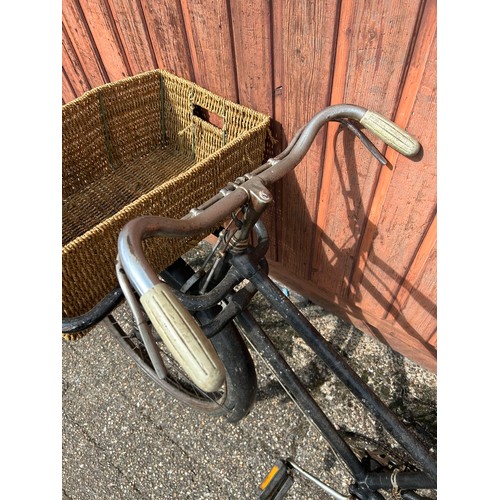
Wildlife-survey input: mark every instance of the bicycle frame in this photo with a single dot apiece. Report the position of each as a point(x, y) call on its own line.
point(247, 262)
point(365, 479)
point(251, 266)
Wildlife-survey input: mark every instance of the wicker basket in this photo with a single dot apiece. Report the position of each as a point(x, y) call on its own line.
point(142, 146)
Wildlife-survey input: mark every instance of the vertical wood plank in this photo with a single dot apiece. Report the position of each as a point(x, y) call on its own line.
point(417, 316)
point(104, 32)
point(425, 320)
point(433, 338)
point(374, 45)
point(209, 33)
point(252, 54)
point(168, 37)
point(251, 28)
point(81, 39)
point(277, 21)
point(428, 244)
point(72, 67)
point(307, 42)
point(337, 97)
point(408, 206)
point(68, 94)
point(134, 36)
point(276, 214)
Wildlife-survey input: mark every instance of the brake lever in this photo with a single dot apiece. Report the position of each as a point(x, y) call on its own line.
point(364, 139)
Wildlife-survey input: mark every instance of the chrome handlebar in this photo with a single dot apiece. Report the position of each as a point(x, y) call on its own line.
point(174, 324)
point(140, 273)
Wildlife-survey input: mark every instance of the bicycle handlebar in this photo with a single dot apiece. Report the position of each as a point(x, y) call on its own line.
point(193, 348)
point(389, 132)
point(136, 266)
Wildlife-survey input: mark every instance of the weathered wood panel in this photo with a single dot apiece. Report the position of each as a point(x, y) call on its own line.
point(355, 237)
point(75, 74)
point(253, 53)
point(375, 46)
point(308, 36)
point(417, 316)
point(101, 25)
point(133, 34)
point(67, 88)
point(408, 186)
point(421, 258)
point(76, 29)
point(168, 37)
point(209, 33)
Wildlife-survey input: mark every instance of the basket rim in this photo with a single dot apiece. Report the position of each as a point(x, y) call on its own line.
point(262, 123)
point(231, 156)
point(172, 76)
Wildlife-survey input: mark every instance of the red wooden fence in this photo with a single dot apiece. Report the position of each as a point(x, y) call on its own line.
point(355, 237)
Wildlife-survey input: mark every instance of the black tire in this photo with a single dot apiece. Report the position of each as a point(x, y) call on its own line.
point(238, 394)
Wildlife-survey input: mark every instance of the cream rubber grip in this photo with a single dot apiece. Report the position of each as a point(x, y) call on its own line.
point(183, 337)
point(390, 133)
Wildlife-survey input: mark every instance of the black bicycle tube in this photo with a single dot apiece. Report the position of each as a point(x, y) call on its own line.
point(95, 315)
point(298, 392)
point(406, 480)
point(411, 495)
point(336, 363)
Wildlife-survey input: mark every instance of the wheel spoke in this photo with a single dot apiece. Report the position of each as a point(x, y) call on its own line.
point(177, 382)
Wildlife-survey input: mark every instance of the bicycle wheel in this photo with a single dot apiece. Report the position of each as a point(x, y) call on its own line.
point(237, 395)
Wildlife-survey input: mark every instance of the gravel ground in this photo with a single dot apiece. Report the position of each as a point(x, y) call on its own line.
point(123, 438)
